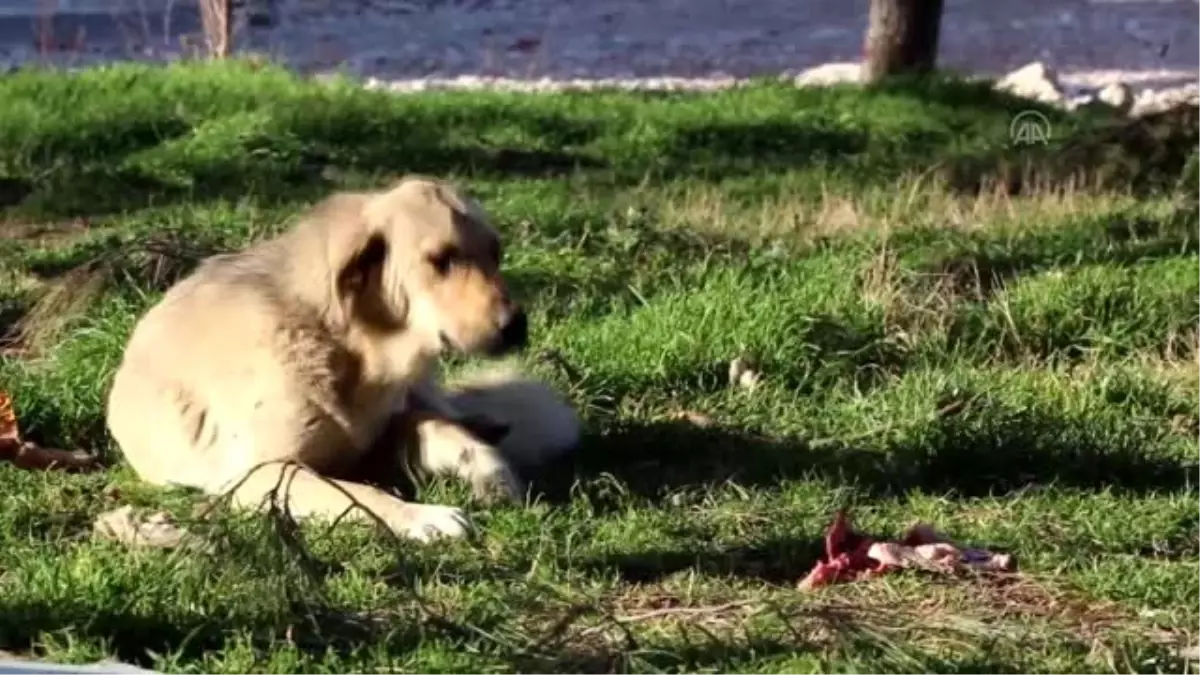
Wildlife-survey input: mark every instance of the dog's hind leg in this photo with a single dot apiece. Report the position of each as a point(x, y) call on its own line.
point(305, 494)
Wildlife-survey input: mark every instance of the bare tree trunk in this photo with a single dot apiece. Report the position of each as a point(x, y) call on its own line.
point(216, 17)
point(902, 37)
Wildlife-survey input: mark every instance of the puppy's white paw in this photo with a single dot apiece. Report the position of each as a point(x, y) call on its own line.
point(426, 522)
point(448, 448)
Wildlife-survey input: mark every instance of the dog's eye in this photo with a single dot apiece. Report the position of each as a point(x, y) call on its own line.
point(443, 259)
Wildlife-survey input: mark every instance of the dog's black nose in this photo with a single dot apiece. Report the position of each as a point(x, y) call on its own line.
point(515, 333)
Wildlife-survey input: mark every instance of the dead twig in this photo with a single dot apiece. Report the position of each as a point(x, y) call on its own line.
point(31, 456)
point(623, 621)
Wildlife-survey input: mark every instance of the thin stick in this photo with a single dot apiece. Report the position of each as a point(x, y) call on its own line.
point(668, 611)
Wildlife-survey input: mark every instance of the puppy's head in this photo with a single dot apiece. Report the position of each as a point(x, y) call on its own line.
point(430, 263)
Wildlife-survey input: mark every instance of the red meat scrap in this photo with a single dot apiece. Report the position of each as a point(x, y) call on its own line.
point(850, 555)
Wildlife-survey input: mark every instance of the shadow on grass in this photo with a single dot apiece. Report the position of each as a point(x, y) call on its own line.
point(718, 150)
point(200, 151)
point(707, 652)
point(138, 137)
point(654, 462)
point(783, 561)
point(278, 599)
point(977, 268)
point(99, 190)
point(135, 637)
point(135, 634)
point(990, 450)
point(1142, 156)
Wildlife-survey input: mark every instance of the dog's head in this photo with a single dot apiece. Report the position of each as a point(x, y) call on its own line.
point(429, 262)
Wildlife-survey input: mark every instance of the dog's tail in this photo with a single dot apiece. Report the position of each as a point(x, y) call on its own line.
point(541, 423)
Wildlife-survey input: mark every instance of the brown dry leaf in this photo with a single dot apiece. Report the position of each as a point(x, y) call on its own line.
point(157, 530)
point(26, 455)
point(9, 432)
point(697, 419)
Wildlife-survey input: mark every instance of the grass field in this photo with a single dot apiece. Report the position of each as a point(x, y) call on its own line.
point(1001, 341)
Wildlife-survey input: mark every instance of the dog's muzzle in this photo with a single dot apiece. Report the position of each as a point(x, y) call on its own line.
point(514, 334)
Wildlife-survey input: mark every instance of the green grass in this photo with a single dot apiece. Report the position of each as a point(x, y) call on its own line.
point(1000, 341)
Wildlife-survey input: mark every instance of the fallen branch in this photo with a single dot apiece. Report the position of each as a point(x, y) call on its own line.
point(28, 455)
point(34, 457)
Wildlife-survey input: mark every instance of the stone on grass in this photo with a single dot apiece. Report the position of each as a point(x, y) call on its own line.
point(1035, 81)
point(743, 375)
point(1117, 95)
point(829, 74)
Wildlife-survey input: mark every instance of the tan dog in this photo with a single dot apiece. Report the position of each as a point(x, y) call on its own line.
point(304, 349)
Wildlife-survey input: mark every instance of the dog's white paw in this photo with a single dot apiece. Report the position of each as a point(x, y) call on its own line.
point(449, 448)
point(426, 522)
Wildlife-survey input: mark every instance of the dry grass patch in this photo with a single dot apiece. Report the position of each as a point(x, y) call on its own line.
point(63, 297)
point(915, 202)
point(910, 619)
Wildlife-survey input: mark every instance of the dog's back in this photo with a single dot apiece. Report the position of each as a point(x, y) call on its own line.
point(225, 368)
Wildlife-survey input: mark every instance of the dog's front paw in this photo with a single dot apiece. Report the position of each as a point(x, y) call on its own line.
point(448, 448)
point(426, 522)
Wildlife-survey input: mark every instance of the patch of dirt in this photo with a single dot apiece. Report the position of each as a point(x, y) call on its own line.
point(57, 305)
point(10, 321)
point(970, 609)
point(52, 233)
point(155, 263)
point(973, 277)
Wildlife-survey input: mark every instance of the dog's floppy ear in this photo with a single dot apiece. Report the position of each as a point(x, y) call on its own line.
point(360, 290)
point(409, 199)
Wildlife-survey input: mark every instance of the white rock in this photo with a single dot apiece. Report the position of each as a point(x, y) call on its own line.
point(828, 74)
point(1117, 95)
point(743, 375)
point(1081, 101)
point(1035, 81)
point(1151, 102)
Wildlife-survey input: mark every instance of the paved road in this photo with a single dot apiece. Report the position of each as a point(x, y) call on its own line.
point(97, 31)
point(1147, 42)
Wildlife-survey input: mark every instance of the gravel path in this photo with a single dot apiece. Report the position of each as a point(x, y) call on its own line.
point(1146, 44)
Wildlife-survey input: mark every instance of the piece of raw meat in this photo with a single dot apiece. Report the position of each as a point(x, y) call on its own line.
point(850, 555)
